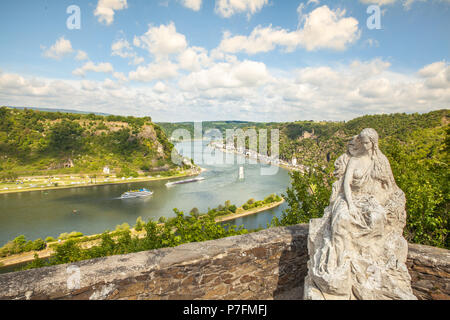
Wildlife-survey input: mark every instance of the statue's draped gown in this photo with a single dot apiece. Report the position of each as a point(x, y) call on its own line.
point(362, 254)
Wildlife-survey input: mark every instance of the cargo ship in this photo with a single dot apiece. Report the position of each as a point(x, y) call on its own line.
point(169, 184)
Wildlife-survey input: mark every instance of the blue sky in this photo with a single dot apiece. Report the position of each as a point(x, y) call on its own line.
point(259, 60)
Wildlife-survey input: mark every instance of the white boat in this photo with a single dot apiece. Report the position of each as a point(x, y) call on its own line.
point(241, 173)
point(168, 184)
point(136, 194)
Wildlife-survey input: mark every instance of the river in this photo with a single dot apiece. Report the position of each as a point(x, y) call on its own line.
point(40, 214)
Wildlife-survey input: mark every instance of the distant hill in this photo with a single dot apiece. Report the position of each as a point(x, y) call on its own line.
point(222, 126)
point(59, 110)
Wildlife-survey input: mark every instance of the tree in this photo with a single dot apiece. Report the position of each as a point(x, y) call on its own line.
point(307, 197)
point(139, 224)
point(65, 136)
point(194, 212)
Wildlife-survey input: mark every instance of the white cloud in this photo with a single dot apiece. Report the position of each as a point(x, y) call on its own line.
point(123, 49)
point(378, 2)
point(194, 59)
point(227, 8)
point(110, 84)
point(260, 40)
point(192, 4)
point(372, 43)
point(154, 71)
point(406, 3)
point(61, 48)
point(103, 67)
point(432, 70)
point(81, 55)
point(322, 29)
point(89, 85)
point(247, 90)
point(227, 75)
point(120, 76)
point(106, 9)
point(162, 41)
point(437, 75)
point(160, 87)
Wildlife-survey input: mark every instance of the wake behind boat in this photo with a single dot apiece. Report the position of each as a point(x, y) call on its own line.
point(169, 184)
point(136, 194)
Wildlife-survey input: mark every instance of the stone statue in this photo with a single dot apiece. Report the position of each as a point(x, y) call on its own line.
point(357, 250)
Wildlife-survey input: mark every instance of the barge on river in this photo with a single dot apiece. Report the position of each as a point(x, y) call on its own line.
point(169, 184)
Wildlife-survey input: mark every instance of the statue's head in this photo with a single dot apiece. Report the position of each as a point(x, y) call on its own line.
point(368, 139)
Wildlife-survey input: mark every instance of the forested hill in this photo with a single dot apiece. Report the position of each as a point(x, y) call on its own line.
point(35, 142)
point(320, 142)
point(222, 126)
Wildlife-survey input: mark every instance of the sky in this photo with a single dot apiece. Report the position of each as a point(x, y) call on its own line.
point(205, 60)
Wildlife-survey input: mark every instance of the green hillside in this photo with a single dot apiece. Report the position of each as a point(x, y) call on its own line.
point(323, 141)
point(43, 143)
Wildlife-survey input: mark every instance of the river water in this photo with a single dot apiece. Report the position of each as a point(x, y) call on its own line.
point(39, 214)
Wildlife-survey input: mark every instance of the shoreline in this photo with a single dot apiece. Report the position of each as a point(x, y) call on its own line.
point(27, 257)
point(280, 165)
point(89, 185)
point(250, 212)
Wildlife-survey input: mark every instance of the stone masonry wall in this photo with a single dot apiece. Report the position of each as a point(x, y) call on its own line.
point(270, 264)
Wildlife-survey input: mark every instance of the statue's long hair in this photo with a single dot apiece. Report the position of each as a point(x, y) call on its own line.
point(381, 169)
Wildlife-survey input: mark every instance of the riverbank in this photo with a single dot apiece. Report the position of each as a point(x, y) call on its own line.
point(240, 213)
point(27, 257)
point(77, 181)
point(263, 159)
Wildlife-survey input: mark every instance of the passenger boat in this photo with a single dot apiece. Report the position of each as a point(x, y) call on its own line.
point(169, 184)
point(136, 194)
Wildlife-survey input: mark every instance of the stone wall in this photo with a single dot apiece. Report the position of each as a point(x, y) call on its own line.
point(429, 268)
point(270, 264)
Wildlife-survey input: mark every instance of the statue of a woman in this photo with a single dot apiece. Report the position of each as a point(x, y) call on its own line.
point(357, 250)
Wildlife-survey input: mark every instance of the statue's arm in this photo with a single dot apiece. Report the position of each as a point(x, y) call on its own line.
point(347, 183)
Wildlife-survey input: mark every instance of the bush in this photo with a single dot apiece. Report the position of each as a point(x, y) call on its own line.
point(194, 212)
point(63, 236)
point(272, 198)
point(50, 239)
point(39, 245)
point(20, 244)
point(20, 240)
point(139, 224)
point(9, 176)
point(123, 227)
point(36, 263)
point(162, 219)
point(75, 234)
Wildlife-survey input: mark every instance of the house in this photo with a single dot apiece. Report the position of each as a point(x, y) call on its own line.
point(106, 170)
